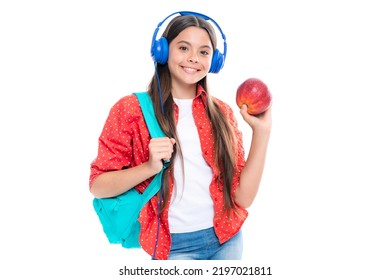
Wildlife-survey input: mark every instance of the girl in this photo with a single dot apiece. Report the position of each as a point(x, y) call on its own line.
point(199, 212)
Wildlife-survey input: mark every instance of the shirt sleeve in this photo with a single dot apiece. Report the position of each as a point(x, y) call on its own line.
point(114, 147)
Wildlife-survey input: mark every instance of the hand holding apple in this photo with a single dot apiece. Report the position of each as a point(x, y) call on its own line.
point(255, 94)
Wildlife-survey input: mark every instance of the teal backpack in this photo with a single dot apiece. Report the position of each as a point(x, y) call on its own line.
point(119, 215)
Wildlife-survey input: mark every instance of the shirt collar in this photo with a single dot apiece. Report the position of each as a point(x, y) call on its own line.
point(200, 92)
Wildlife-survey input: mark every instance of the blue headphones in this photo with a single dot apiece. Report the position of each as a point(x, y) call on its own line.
point(160, 50)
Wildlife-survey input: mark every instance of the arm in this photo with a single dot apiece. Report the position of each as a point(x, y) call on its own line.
point(124, 143)
point(112, 183)
point(253, 171)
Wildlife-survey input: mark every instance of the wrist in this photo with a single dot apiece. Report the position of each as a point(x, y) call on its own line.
point(153, 167)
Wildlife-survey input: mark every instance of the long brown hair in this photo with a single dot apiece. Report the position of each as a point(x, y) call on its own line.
point(224, 139)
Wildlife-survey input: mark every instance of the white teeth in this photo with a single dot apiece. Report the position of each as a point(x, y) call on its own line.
point(192, 70)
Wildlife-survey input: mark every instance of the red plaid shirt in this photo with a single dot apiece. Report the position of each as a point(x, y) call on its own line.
point(124, 143)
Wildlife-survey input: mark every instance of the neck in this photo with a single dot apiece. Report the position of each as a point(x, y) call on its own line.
point(184, 92)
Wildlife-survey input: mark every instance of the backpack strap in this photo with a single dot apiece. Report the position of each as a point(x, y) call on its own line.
point(149, 116)
point(155, 132)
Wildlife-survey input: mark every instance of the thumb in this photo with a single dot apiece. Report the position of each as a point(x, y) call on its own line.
point(244, 110)
point(245, 115)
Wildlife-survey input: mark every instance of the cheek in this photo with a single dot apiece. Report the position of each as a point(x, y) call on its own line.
point(175, 56)
point(174, 61)
point(206, 61)
point(172, 64)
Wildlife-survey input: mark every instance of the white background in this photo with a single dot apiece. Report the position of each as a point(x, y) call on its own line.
point(323, 208)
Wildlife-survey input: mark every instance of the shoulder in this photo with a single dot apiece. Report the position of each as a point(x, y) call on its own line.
point(128, 101)
point(126, 106)
point(225, 108)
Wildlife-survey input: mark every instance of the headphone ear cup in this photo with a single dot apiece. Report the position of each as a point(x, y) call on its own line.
point(160, 50)
point(217, 62)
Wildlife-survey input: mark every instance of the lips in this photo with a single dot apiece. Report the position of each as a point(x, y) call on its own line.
point(189, 69)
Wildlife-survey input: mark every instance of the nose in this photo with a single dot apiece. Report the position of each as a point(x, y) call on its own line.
point(193, 58)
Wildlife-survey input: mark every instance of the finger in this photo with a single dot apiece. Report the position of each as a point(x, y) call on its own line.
point(159, 140)
point(244, 112)
point(244, 108)
point(161, 148)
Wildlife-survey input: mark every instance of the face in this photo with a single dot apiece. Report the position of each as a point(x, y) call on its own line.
point(190, 55)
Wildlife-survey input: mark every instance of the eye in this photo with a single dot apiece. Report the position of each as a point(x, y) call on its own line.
point(183, 48)
point(204, 52)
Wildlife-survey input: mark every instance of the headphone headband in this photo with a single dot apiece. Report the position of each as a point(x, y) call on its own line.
point(159, 49)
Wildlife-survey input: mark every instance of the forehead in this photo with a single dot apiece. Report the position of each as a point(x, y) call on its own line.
point(194, 35)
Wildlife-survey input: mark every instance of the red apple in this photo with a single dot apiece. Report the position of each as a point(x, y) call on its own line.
point(255, 94)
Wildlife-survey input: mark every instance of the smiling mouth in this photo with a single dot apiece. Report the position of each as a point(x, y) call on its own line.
point(189, 69)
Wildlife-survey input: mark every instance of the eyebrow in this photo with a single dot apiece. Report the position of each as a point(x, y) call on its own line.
point(186, 42)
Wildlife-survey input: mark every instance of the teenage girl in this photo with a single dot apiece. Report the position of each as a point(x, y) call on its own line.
point(200, 210)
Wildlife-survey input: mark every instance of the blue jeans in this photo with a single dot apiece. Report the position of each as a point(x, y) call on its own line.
point(204, 245)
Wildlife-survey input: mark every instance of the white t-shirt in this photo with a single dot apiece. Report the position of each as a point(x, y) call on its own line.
point(191, 207)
